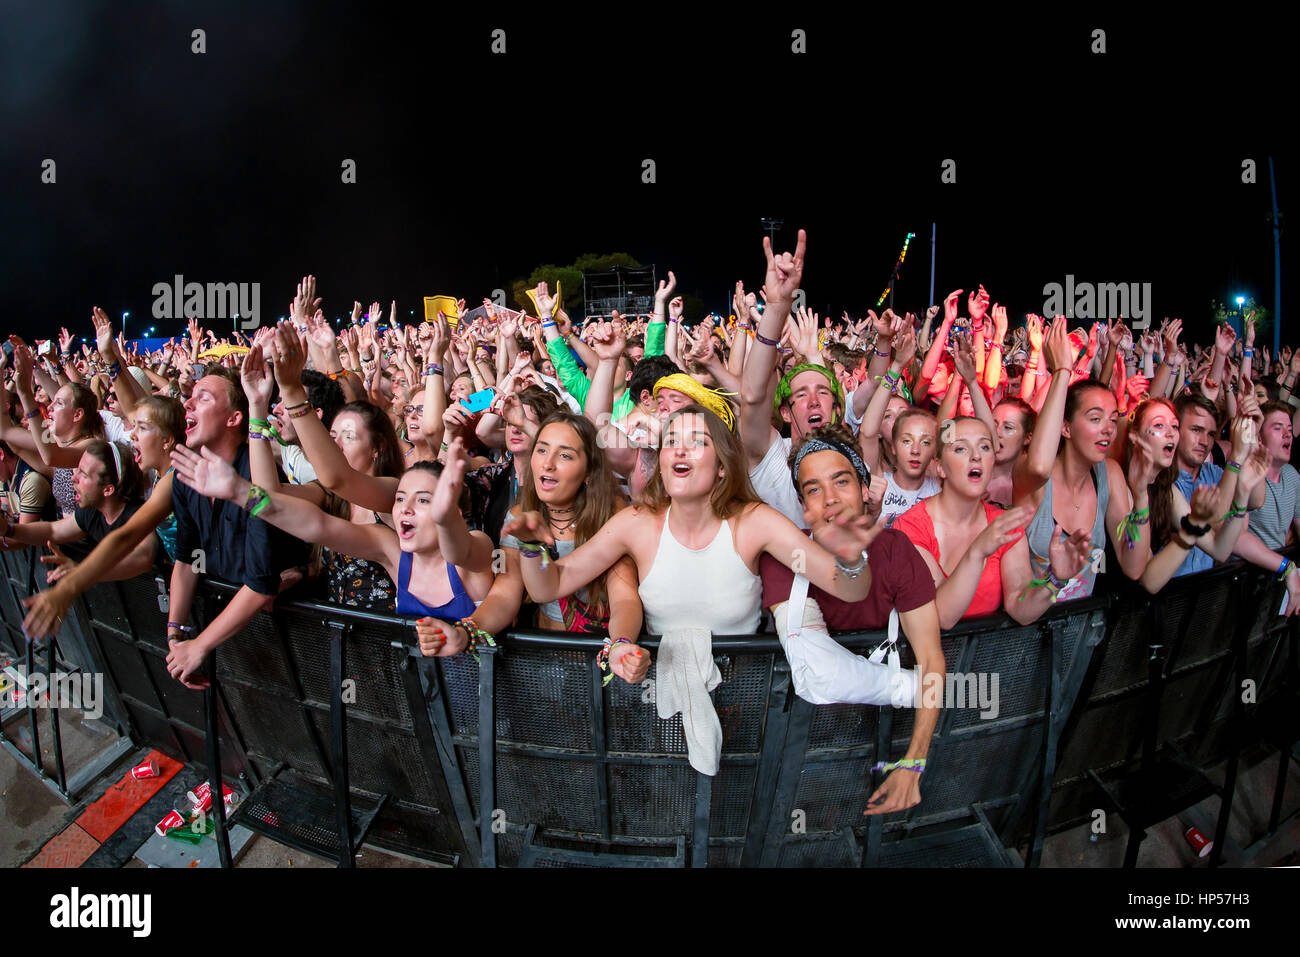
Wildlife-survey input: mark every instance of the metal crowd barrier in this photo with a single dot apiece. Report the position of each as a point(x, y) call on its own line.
point(338, 731)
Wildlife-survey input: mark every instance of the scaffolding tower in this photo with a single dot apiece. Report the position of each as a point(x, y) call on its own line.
point(628, 289)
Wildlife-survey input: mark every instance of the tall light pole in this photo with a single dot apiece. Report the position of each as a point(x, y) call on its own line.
point(771, 225)
point(125, 317)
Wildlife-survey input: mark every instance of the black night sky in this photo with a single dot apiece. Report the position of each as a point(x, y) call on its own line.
point(473, 168)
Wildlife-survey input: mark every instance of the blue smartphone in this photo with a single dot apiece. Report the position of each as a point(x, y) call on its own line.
point(479, 401)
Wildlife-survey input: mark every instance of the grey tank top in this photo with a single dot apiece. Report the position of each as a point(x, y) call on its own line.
point(1039, 537)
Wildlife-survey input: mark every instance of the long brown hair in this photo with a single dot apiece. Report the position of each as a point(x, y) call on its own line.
point(1161, 491)
point(383, 437)
point(597, 499)
point(732, 492)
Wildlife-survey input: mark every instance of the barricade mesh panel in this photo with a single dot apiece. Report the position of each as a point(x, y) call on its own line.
point(458, 678)
point(256, 656)
point(741, 701)
point(105, 608)
point(1125, 656)
point(309, 644)
point(154, 729)
point(733, 790)
point(725, 856)
point(509, 846)
point(544, 698)
point(380, 760)
point(832, 793)
point(965, 848)
point(651, 801)
point(185, 704)
point(274, 727)
point(833, 851)
point(140, 597)
point(977, 767)
point(375, 665)
point(1210, 623)
point(124, 665)
point(842, 726)
point(548, 792)
point(634, 726)
point(1019, 661)
point(1108, 733)
point(1186, 697)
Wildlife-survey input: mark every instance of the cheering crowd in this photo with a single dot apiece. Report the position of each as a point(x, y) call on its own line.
point(636, 475)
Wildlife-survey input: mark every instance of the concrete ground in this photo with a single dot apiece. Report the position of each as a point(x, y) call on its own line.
point(31, 814)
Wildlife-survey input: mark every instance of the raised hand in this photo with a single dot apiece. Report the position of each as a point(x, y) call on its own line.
point(804, 335)
point(529, 527)
point(207, 474)
point(60, 563)
point(1142, 467)
point(289, 355)
point(846, 536)
point(545, 301)
point(1115, 334)
point(932, 312)
point(1069, 555)
point(905, 347)
point(103, 332)
point(304, 302)
point(1058, 350)
point(1034, 330)
point(978, 304)
point(256, 379)
point(950, 306)
point(963, 358)
point(1224, 337)
point(675, 308)
point(784, 272)
point(1003, 530)
point(1138, 387)
point(609, 339)
point(999, 324)
point(446, 496)
point(665, 292)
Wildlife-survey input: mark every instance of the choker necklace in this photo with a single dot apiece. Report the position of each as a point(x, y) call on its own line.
point(561, 511)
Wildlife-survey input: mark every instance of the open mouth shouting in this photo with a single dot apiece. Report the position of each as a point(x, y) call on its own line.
point(815, 419)
point(681, 469)
point(975, 473)
point(191, 423)
point(406, 530)
point(547, 483)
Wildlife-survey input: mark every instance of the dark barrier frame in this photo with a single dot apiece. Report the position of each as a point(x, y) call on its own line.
point(526, 759)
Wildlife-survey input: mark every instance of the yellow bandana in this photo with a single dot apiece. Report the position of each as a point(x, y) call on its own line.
point(711, 399)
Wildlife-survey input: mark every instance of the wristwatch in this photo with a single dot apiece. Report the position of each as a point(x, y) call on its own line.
point(852, 571)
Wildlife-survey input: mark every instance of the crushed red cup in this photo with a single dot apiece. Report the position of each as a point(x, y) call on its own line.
point(201, 797)
point(1198, 842)
point(170, 823)
point(148, 769)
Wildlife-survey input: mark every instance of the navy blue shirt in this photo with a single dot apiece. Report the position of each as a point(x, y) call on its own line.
point(237, 547)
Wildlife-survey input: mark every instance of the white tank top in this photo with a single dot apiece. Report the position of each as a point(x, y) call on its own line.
point(710, 588)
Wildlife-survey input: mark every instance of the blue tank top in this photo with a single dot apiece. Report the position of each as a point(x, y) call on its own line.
point(460, 606)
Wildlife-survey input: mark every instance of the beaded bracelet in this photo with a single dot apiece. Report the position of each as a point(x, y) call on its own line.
point(907, 764)
point(477, 636)
point(602, 657)
point(298, 413)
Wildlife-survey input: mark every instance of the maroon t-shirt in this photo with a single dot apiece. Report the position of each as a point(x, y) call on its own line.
point(899, 579)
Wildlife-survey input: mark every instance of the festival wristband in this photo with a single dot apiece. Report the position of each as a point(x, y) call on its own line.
point(434, 369)
point(258, 499)
point(477, 636)
point(907, 764)
point(602, 657)
point(1233, 467)
point(774, 343)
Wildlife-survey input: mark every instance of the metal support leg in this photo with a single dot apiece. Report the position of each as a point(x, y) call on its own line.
point(487, 756)
point(339, 744)
point(214, 765)
point(31, 710)
point(56, 735)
